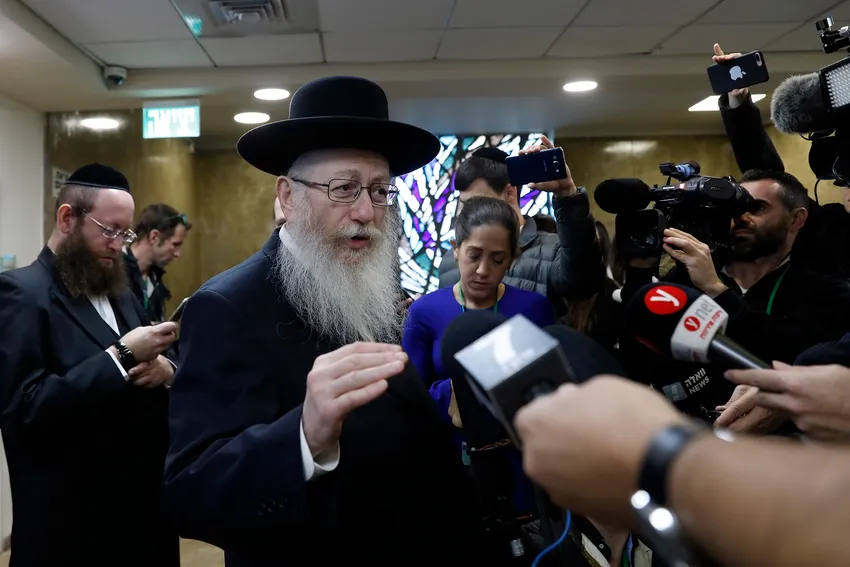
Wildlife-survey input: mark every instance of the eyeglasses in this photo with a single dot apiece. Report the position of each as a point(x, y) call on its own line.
point(128, 236)
point(347, 191)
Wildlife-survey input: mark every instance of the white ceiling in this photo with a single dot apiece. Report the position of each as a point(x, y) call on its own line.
point(448, 65)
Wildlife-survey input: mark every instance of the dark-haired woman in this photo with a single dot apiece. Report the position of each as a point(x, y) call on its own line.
point(485, 244)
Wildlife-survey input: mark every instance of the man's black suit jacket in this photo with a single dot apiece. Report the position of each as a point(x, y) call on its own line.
point(85, 448)
point(234, 474)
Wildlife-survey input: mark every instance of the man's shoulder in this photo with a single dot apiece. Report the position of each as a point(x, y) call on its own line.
point(32, 278)
point(242, 280)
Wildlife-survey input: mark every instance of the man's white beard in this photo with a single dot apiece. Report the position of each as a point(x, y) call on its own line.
point(346, 295)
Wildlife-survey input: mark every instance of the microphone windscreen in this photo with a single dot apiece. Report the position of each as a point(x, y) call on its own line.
point(654, 312)
point(695, 165)
point(586, 357)
point(797, 106)
point(622, 195)
point(480, 428)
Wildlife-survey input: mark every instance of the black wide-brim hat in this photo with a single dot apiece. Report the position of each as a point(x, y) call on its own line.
point(338, 113)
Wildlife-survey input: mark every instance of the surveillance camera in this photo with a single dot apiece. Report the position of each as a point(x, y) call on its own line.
point(115, 76)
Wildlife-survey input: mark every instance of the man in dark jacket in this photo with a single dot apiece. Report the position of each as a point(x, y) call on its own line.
point(563, 266)
point(297, 433)
point(161, 231)
point(824, 244)
point(83, 393)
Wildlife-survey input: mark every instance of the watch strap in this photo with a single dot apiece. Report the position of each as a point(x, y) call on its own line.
point(125, 355)
point(662, 451)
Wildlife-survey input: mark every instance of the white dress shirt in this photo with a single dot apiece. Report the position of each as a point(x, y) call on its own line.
point(326, 462)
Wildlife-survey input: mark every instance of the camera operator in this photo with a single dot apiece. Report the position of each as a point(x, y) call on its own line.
point(587, 445)
point(825, 242)
point(777, 307)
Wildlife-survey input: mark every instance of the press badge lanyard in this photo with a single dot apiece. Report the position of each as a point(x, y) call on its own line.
point(463, 301)
point(773, 293)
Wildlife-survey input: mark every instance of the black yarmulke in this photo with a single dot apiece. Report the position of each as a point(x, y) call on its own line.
point(100, 176)
point(493, 154)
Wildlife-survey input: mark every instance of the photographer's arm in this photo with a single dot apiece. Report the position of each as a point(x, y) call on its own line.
point(745, 129)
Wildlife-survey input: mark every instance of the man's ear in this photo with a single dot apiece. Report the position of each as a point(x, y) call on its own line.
point(511, 195)
point(65, 219)
point(154, 237)
point(455, 248)
point(284, 194)
point(799, 219)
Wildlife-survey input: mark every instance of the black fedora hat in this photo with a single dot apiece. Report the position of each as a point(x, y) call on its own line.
point(337, 113)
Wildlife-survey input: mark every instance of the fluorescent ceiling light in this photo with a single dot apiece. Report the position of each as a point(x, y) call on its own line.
point(630, 147)
point(271, 94)
point(710, 104)
point(100, 123)
point(580, 86)
point(251, 117)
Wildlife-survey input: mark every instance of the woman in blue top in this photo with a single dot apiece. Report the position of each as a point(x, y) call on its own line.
point(485, 244)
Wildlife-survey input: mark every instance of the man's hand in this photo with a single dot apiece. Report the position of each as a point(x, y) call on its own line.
point(737, 96)
point(742, 413)
point(158, 372)
point(146, 343)
point(560, 188)
point(585, 443)
point(816, 397)
point(342, 381)
point(696, 257)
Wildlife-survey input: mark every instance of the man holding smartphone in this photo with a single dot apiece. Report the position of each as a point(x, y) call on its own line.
point(83, 398)
point(563, 266)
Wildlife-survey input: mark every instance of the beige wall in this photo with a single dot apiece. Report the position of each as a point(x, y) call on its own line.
point(231, 204)
point(158, 171)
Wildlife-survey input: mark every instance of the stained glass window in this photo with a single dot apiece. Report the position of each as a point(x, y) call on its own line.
point(427, 202)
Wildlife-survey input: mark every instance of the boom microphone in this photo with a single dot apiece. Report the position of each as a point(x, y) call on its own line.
point(685, 324)
point(798, 107)
point(622, 195)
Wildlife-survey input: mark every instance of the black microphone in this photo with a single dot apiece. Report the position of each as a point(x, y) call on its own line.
point(480, 428)
point(517, 361)
point(622, 195)
point(685, 324)
point(798, 106)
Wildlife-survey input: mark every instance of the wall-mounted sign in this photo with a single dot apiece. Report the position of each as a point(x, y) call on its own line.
point(171, 119)
point(59, 179)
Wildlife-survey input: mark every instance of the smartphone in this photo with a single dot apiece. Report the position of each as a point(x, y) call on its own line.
point(175, 317)
point(548, 165)
point(744, 71)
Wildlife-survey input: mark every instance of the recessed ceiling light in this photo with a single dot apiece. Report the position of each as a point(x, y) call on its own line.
point(709, 104)
point(271, 94)
point(100, 123)
point(580, 86)
point(251, 117)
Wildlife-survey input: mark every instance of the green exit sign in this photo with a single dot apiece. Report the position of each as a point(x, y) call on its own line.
point(171, 119)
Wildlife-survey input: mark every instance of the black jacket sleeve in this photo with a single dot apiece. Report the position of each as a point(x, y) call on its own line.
point(234, 471)
point(751, 145)
point(579, 270)
point(39, 405)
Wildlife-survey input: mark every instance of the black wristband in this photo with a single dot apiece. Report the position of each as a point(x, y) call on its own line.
point(663, 449)
point(125, 355)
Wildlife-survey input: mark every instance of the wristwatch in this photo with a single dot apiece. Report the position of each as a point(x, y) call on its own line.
point(125, 355)
point(663, 450)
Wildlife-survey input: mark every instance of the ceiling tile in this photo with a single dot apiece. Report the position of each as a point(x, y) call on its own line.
point(105, 21)
point(386, 46)
point(698, 39)
point(765, 11)
point(599, 41)
point(509, 13)
point(346, 15)
point(841, 12)
point(151, 54)
point(264, 50)
point(642, 12)
point(497, 43)
point(805, 38)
